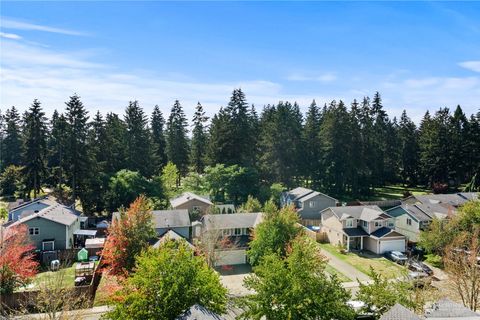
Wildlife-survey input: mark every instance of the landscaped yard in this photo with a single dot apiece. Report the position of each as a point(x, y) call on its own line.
point(363, 263)
point(64, 277)
point(391, 192)
point(331, 270)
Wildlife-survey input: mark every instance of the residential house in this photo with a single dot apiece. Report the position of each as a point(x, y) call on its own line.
point(399, 312)
point(165, 220)
point(195, 204)
point(19, 208)
point(51, 228)
point(415, 213)
point(235, 228)
point(362, 227)
point(171, 235)
point(308, 203)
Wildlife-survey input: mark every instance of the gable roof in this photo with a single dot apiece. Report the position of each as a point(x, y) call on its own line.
point(231, 221)
point(366, 213)
point(447, 309)
point(413, 211)
point(186, 197)
point(171, 235)
point(304, 194)
point(170, 218)
point(56, 213)
point(384, 231)
point(399, 312)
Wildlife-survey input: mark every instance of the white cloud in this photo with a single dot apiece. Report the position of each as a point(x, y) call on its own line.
point(10, 36)
point(471, 65)
point(22, 25)
point(325, 77)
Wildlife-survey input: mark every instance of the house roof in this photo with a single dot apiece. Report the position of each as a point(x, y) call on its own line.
point(170, 218)
point(414, 211)
point(366, 213)
point(20, 204)
point(171, 235)
point(230, 221)
point(384, 231)
point(304, 194)
point(198, 312)
point(188, 196)
point(447, 309)
point(441, 205)
point(399, 312)
point(355, 232)
point(56, 213)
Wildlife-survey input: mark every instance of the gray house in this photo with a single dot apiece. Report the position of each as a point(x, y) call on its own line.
point(51, 228)
point(175, 220)
point(309, 204)
point(20, 209)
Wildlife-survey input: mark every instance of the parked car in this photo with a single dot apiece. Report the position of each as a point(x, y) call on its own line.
point(396, 256)
point(419, 279)
point(419, 266)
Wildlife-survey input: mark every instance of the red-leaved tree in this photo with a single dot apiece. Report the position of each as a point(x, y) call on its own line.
point(127, 237)
point(17, 263)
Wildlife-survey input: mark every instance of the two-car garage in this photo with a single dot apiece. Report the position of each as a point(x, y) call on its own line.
point(230, 257)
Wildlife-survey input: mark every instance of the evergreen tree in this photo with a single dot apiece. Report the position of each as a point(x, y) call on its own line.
point(312, 168)
point(219, 134)
point(158, 137)
point(77, 156)
point(409, 150)
point(12, 143)
point(380, 128)
point(115, 148)
point(57, 146)
point(140, 153)
point(458, 133)
point(177, 140)
point(35, 148)
point(199, 139)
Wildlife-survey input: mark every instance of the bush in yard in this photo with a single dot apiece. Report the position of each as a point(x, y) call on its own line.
point(167, 282)
point(17, 264)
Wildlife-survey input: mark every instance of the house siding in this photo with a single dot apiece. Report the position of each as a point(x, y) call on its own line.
point(411, 232)
point(204, 208)
point(48, 230)
point(332, 228)
point(321, 202)
point(183, 231)
point(370, 244)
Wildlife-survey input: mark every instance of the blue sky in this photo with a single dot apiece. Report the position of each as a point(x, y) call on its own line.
point(419, 55)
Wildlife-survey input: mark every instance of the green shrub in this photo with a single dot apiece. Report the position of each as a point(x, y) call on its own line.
point(434, 260)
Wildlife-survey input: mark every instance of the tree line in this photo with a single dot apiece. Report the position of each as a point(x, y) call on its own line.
point(333, 148)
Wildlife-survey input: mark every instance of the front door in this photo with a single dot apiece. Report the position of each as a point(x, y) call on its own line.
point(355, 243)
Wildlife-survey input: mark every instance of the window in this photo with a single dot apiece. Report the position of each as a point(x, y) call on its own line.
point(33, 231)
point(227, 232)
point(378, 223)
point(238, 231)
point(48, 245)
point(409, 222)
point(391, 223)
point(196, 209)
point(365, 224)
point(312, 204)
point(349, 223)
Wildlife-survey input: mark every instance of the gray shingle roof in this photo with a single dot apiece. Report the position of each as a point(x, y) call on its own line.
point(366, 213)
point(230, 221)
point(171, 235)
point(416, 211)
point(355, 232)
point(447, 309)
point(198, 312)
point(399, 312)
point(383, 231)
point(170, 218)
point(57, 213)
point(303, 194)
point(188, 196)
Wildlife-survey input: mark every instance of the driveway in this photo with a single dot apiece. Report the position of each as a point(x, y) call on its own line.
point(232, 279)
point(345, 268)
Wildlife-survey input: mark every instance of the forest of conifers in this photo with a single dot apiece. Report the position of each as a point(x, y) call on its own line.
point(334, 148)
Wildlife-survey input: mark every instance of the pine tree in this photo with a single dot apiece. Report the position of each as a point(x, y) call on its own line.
point(199, 139)
point(35, 148)
point(459, 142)
point(77, 156)
point(409, 150)
point(140, 153)
point(158, 137)
point(177, 140)
point(312, 169)
point(380, 128)
point(115, 144)
point(12, 143)
point(219, 133)
point(57, 146)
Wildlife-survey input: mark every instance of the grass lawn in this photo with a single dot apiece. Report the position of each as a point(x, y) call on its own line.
point(331, 270)
point(64, 277)
point(380, 264)
point(391, 192)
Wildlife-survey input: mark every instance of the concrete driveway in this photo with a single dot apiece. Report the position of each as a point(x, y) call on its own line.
point(232, 279)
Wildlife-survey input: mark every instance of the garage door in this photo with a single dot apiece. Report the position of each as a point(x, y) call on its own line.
point(392, 245)
point(231, 257)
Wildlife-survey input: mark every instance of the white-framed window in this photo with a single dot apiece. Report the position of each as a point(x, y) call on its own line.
point(378, 223)
point(48, 245)
point(349, 223)
point(227, 232)
point(391, 223)
point(409, 222)
point(238, 231)
point(365, 223)
point(312, 204)
point(33, 231)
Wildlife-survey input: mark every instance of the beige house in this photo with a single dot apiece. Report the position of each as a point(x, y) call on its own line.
point(362, 228)
point(193, 203)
